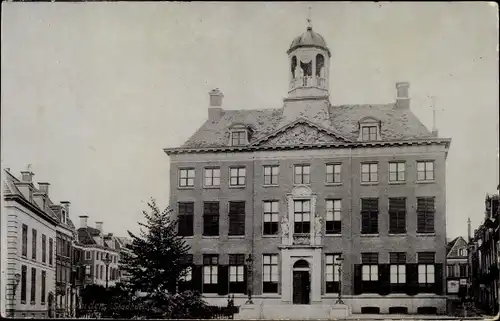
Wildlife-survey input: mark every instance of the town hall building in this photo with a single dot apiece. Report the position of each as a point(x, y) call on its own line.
point(308, 199)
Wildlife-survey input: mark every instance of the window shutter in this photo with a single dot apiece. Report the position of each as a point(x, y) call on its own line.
point(411, 279)
point(384, 279)
point(358, 289)
point(223, 279)
point(438, 278)
point(245, 279)
point(197, 278)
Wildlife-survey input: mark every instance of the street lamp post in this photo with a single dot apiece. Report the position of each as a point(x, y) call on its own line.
point(249, 279)
point(17, 279)
point(107, 261)
point(339, 300)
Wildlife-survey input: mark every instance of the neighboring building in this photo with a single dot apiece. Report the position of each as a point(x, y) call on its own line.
point(297, 186)
point(66, 235)
point(31, 238)
point(457, 267)
point(123, 243)
point(484, 258)
point(94, 247)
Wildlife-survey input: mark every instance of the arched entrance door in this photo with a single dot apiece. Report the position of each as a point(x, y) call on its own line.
point(301, 282)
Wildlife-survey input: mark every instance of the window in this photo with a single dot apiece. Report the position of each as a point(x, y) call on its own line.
point(33, 285)
point(271, 174)
point(271, 213)
point(425, 171)
point(397, 215)
point(425, 215)
point(51, 251)
point(302, 216)
point(302, 174)
point(398, 270)
point(369, 132)
point(44, 249)
point(185, 219)
point(25, 240)
point(210, 266)
point(270, 269)
point(188, 275)
point(211, 218)
point(238, 138)
point(426, 276)
point(237, 176)
point(186, 177)
point(23, 283)
point(236, 218)
point(332, 277)
point(33, 244)
point(370, 266)
point(369, 173)
point(212, 177)
point(101, 272)
point(463, 270)
point(43, 287)
point(333, 173)
point(87, 255)
point(369, 216)
point(451, 270)
point(236, 273)
point(396, 172)
point(333, 223)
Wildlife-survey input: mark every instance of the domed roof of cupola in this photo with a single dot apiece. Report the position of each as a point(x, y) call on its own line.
point(309, 39)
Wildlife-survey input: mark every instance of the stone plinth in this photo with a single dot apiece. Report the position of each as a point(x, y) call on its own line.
point(339, 311)
point(293, 312)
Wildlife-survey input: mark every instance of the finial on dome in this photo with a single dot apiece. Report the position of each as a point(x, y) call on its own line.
point(309, 24)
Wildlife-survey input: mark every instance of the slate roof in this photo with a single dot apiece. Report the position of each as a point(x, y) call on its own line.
point(10, 188)
point(396, 124)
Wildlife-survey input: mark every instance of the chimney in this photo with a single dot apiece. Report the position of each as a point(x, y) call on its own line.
point(403, 98)
point(83, 221)
point(44, 188)
point(66, 205)
point(468, 230)
point(98, 225)
point(215, 108)
point(27, 176)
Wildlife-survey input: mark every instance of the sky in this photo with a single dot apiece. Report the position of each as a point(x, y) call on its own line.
point(92, 92)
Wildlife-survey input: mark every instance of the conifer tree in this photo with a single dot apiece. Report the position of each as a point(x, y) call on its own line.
point(157, 258)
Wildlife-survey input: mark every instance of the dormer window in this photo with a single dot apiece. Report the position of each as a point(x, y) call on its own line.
point(63, 216)
point(238, 138)
point(240, 135)
point(369, 129)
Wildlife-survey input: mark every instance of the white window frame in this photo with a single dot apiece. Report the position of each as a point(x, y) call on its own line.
point(236, 273)
point(372, 170)
point(212, 180)
point(240, 142)
point(398, 273)
point(186, 175)
point(369, 272)
point(210, 274)
point(239, 177)
point(398, 172)
point(332, 267)
point(333, 170)
point(425, 170)
point(333, 210)
point(305, 170)
point(270, 267)
point(270, 213)
point(426, 274)
point(271, 171)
